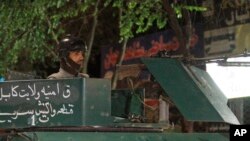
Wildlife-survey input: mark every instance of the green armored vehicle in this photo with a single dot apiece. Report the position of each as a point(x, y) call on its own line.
point(86, 109)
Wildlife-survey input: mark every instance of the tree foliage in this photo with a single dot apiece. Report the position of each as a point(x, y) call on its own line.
point(139, 16)
point(30, 29)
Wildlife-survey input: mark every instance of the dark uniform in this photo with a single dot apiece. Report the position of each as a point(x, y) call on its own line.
point(68, 68)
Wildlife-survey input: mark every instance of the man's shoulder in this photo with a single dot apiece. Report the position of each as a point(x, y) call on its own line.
point(84, 75)
point(55, 76)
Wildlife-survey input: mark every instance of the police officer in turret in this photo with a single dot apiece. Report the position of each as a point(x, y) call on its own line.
point(71, 53)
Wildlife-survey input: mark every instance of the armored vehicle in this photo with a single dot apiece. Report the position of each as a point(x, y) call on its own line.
point(80, 109)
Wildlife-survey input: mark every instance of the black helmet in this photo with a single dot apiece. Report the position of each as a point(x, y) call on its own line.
point(70, 43)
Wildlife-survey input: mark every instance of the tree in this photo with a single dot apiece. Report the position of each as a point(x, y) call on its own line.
point(138, 16)
point(31, 29)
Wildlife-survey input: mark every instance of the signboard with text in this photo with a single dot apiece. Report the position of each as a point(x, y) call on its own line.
point(227, 24)
point(65, 102)
point(150, 45)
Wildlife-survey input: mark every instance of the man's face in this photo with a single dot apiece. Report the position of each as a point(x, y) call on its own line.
point(77, 57)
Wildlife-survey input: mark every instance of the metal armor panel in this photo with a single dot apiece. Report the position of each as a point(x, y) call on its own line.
point(192, 90)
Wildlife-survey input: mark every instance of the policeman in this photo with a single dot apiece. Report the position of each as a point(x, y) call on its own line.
point(71, 53)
